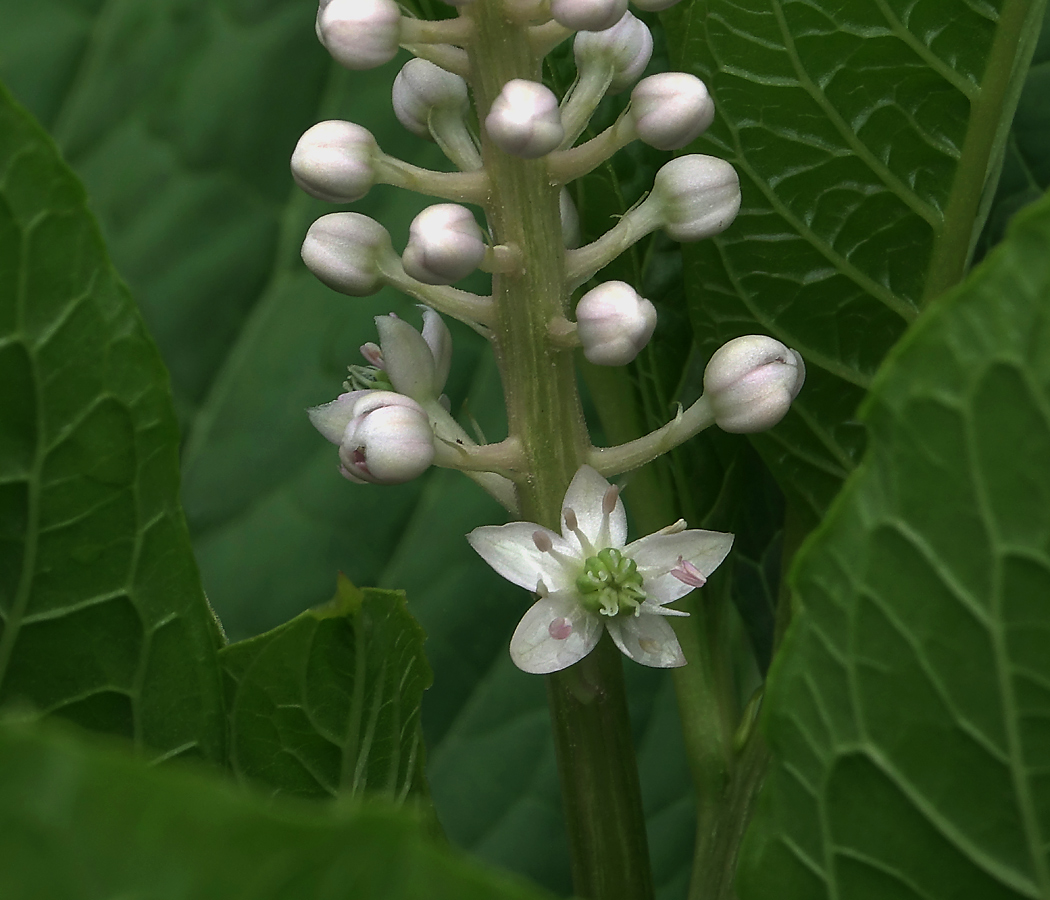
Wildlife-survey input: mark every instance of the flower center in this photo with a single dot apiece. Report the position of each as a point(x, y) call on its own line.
point(610, 584)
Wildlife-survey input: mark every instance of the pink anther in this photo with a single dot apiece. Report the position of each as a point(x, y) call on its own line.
point(560, 628)
point(689, 574)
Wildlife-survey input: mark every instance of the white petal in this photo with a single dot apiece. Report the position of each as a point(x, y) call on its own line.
point(332, 418)
point(555, 633)
point(511, 551)
point(584, 497)
point(648, 640)
point(406, 358)
point(658, 553)
point(439, 340)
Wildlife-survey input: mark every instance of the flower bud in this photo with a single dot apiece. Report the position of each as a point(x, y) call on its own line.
point(344, 249)
point(699, 196)
point(588, 15)
point(570, 220)
point(444, 244)
point(625, 47)
point(614, 323)
point(387, 441)
point(524, 119)
point(420, 87)
point(750, 383)
point(334, 161)
point(360, 34)
point(671, 109)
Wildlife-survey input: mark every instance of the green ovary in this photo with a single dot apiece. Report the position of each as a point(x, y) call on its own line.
point(610, 584)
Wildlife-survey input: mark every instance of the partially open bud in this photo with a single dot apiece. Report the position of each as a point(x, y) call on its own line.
point(388, 440)
point(588, 15)
point(445, 244)
point(671, 109)
point(524, 120)
point(614, 323)
point(334, 161)
point(360, 34)
point(422, 87)
point(625, 48)
point(699, 196)
point(344, 249)
point(751, 381)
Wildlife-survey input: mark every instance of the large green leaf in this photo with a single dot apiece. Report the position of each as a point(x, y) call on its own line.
point(104, 619)
point(328, 704)
point(180, 116)
point(864, 133)
point(908, 710)
point(85, 823)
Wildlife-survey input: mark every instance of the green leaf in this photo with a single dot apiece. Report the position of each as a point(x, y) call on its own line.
point(85, 823)
point(864, 133)
point(1026, 167)
point(907, 710)
point(328, 704)
point(104, 620)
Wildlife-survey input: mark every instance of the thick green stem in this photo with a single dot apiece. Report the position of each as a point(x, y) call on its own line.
point(596, 760)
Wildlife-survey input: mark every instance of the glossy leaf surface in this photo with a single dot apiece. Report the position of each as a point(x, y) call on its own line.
point(908, 710)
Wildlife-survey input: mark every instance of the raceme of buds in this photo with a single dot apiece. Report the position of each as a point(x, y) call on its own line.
point(344, 249)
point(422, 87)
point(444, 244)
point(524, 120)
point(671, 109)
point(334, 161)
point(360, 34)
point(386, 439)
point(750, 383)
point(614, 323)
point(625, 48)
point(699, 196)
point(588, 15)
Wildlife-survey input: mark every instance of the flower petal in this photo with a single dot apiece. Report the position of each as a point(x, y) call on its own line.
point(555, 633)
point(332, 418)
point(407, 359)
point(512, 552)
point(585, 497)
point(658, 553)
point(648, 640)
point(439, 340)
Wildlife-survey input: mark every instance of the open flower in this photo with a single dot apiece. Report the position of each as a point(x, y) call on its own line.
point(587, 578)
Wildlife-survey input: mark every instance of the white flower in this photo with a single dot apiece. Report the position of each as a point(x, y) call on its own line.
point(587, 578)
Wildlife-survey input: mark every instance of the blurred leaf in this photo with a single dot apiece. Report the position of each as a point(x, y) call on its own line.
point(104, 619)
point(180, 116)
point(84, 823)
point(864, 133)
point(1026, 167)
point(907, 710)
point(328, 704)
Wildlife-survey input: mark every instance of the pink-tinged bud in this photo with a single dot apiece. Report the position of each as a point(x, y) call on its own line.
point(388, 441)
point(422, 87)
point(344, 249)
point(570, 220)
point(671, 109)
point(335, 161)
point(445, 244)
point(524, 120)
point(625, 47)
point(588, 15)
point(654, 5)
point(699, 196)
point(614, 323)
point(750, 383)
point(360, 34)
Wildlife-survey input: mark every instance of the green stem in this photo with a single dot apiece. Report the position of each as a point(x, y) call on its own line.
point(592, 736)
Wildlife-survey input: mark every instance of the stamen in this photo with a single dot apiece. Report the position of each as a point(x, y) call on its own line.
point(573, 524)
point(560, 628)
point(689, 574)
point(608, 506)
point(373, 354)
point(542, 542)
point(674, 528)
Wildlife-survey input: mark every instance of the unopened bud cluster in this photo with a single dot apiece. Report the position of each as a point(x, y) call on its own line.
point(390, 424)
